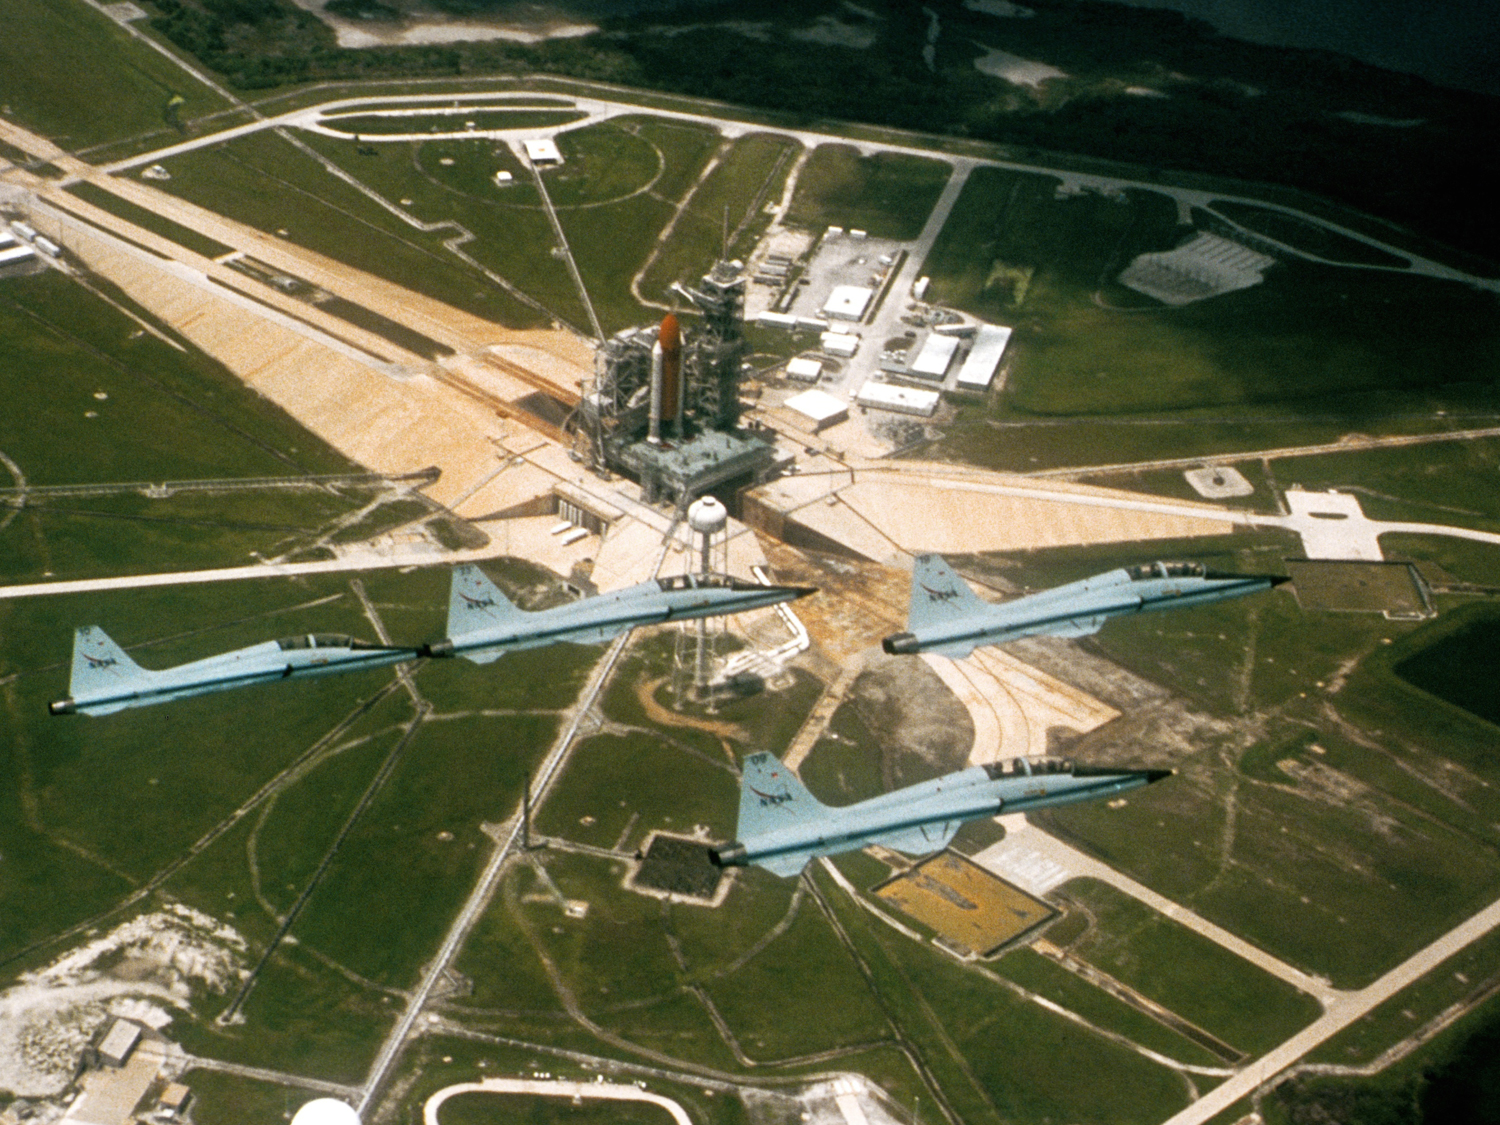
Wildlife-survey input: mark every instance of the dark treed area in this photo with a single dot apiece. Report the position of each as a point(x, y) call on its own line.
point(1387, 143)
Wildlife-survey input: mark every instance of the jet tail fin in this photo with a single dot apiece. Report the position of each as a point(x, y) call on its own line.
point(99, 663)
point(772, 796)
point(939, 595)
point(475, 604)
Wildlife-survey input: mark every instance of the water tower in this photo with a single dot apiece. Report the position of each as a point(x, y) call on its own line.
point(696, 652)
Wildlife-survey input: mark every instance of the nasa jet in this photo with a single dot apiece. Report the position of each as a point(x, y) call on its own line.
point(483, 625)
point(106, 680)
point(782, 826)
point(946, 617)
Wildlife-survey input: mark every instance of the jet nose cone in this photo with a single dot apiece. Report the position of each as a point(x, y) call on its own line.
point(801, 591)
point(1280, 579)
point(1153, 776)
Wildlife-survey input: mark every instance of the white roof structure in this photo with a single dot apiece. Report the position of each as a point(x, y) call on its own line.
point(542, 151)
point(1203, 267)
point(848, 302)
point(804, 368)
point(16, 254)
point(776, 320)
point(119, 1041)
point(326, 1111)
point(989, 345)
point(819, 407)
point(6, 238)
point(840, 343)
point(936, 355)
point(902, 400)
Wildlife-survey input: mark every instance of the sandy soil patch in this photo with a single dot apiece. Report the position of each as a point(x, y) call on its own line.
point(141, 969)
point(1013, 68)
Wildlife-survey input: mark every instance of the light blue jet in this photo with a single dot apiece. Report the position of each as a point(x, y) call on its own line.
point(483, 625)
point(106, 680)
point(946, 617)
point(782, 826)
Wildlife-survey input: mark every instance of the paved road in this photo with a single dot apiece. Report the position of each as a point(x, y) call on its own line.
point(602, 109)
point(603, 1091)
point(1349, 1007)
point(1277, 454)
point(385, 561)
point(484, 889)
point(1039, 861)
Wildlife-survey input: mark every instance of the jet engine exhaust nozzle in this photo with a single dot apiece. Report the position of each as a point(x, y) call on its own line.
point(901, 644)
point(730, 855)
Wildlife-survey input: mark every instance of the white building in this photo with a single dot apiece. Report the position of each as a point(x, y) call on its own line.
point(936, 356)
point(542, 151)
point(819, 408)
point(776, 320)
point(902, 400)
point(803, 369)
point(843, 344)
point(847, 302)
point(978, 370)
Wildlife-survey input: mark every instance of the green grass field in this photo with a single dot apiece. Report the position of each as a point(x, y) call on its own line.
point(1186, 973)
point(268, 184)
point(731, 200)
point(1083, 345)
point(616, 189)
point(104, 67)
point(888, 195)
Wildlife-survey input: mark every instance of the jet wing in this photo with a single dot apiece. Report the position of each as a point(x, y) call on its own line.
point(1077, 627)
point(923, 839)
point(788, 865)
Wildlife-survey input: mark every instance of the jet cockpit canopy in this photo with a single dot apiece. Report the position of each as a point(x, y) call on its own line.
point(1167, 570)
point(322, 640)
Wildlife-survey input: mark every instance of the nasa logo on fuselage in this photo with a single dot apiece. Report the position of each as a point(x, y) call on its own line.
point(772, 800)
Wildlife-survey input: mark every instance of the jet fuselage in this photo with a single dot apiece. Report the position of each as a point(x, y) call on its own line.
point(782, 826)
point(483, 625)
point(948, 619)
point(105, 679)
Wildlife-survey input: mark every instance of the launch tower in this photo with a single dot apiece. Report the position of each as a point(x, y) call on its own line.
point(664, 404)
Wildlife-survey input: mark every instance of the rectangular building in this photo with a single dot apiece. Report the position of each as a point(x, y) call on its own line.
point(843, 344)
point(804, 370)
point(902, 400)
point(978, 371)
point(936, 357)
point(820, 408)
point(847, 302)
